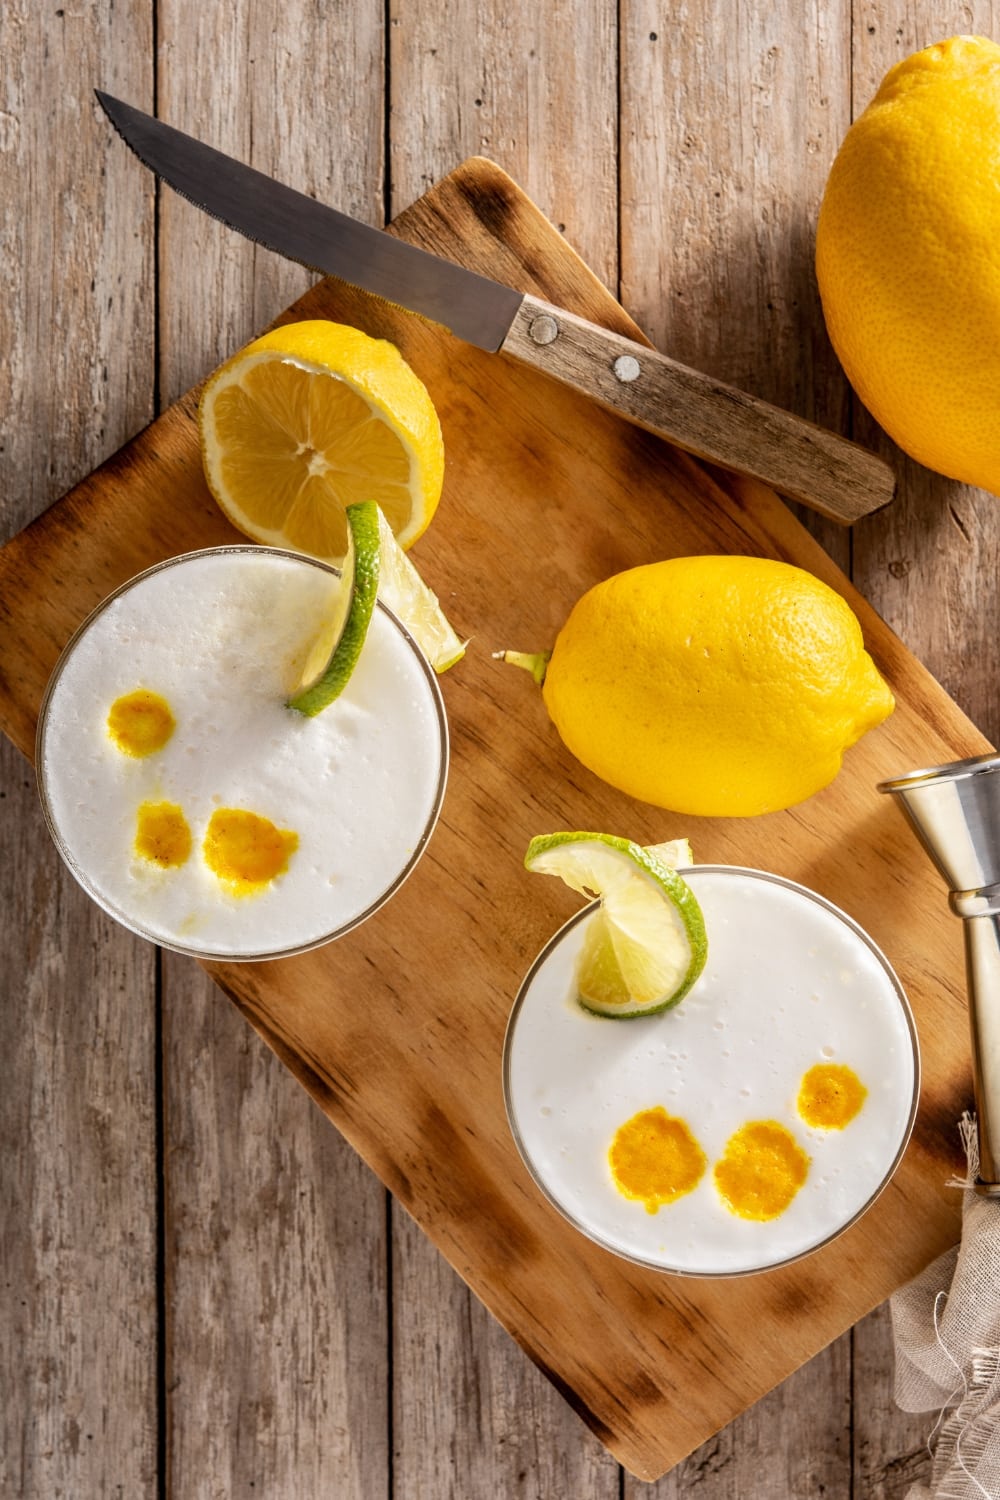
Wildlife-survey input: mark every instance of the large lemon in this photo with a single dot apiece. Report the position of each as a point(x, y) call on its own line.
point(908, 257)
point(713, 685)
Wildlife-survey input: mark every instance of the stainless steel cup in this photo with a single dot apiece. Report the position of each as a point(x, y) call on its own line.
point(955, 812)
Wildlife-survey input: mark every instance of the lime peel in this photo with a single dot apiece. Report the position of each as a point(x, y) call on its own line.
point(375, 567)
point(358, 591)
point(645, 946)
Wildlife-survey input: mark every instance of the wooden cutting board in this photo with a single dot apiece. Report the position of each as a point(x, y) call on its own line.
point(396, 1030)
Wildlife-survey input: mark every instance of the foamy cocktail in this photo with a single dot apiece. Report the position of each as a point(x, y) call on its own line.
point(192, 803)
point(747, 1126)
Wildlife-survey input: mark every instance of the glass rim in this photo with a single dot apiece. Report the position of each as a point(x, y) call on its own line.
point(220, 955)
point(606, 1243)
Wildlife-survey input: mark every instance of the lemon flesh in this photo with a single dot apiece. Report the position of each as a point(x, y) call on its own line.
point(646, 945)
point(332, 660)
point(402, 590)
point(312, 418)
point(713, 686)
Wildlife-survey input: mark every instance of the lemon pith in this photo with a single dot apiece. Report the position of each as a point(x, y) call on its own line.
point(311, 418)
point(907, 257)
point(645, 946)
point(715, 685)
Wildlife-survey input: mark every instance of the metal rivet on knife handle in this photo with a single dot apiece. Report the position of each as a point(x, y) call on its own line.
point(627, 368)
point(703, 416)
point(543, 330)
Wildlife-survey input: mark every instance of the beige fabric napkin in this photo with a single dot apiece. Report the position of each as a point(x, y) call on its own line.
point(946, 1328)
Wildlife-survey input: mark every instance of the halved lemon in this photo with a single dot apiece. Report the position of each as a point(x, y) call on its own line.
point(645, 946)
point(314, 417)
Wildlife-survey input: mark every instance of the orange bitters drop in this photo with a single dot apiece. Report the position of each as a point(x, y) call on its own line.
point(245, 850)
point(761, 1170)
point(655, 1158)
point(162, 834)
point(140, 723)
point(830, 1095)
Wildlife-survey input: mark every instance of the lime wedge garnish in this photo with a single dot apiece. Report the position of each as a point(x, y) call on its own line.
point(404, 591)
point(335, 654)
point(645, 947)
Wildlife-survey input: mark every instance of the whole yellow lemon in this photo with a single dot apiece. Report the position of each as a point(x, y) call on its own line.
point(714, 686)
point(908, 257)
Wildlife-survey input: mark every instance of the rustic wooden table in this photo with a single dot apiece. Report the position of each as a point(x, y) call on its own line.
point(204, 1292)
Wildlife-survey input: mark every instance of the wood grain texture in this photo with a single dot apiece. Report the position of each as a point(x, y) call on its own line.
point(76, 303)
point(794, 1441)
point(506, 81)
point(416, 1088)
point(78, 1296)
point(301, 98)
point(533, 87)
point(890, 1448)
point(495, 1425)
point(276, 1260)
point(724, 160)
point(78, 1213)
point(275, 1233)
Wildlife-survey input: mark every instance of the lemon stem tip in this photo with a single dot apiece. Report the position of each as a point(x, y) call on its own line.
point(535, 662)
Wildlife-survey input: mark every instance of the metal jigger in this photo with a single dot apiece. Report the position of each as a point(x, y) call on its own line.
point(955, 810)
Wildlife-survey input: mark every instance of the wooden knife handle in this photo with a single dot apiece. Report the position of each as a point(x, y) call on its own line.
point(701, 415)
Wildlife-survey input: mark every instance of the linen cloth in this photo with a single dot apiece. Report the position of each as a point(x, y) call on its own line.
point(946, 1330)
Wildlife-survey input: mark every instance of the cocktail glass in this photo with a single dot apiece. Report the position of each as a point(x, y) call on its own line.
point(790, 982)
point(215, 633)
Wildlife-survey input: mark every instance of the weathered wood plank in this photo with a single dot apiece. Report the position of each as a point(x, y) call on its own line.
point(890, 1446)
point(276, 1239)
point(730, 119)
point(795, 1441)
point(295, 90)
point(717, 217)
point(277, 1263)
point(78, 1297)
point(76, 284)
point(472, 1417)
point(535, 90)
point(533, 87)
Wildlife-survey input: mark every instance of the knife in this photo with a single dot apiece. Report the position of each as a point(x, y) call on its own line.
point(703, 416)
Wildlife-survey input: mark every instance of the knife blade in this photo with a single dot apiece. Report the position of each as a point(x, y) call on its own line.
point(704, 416)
